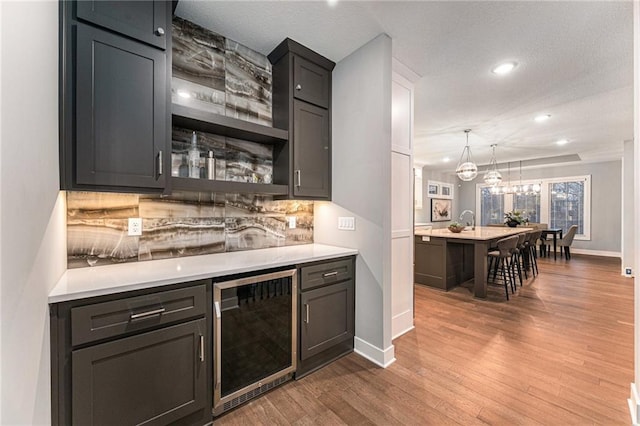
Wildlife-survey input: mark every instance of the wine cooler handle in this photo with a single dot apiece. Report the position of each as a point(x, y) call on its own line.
point(217, 306)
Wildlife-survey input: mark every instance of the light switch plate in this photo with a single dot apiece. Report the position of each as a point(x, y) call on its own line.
point(347, 223)
point(135, 226)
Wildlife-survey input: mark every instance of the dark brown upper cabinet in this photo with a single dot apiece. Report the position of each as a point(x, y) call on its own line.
point(146, 21)
point(114, 94)
point(302, 105)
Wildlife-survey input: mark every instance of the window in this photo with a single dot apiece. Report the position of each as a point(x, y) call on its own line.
point(567, 205)
point(492, 207)
point(528, 203)
point(562, 202)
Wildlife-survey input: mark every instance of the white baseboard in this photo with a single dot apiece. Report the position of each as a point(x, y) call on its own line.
point(587, 252)
point(402, 323)
point(383, 358)
point(634, 407)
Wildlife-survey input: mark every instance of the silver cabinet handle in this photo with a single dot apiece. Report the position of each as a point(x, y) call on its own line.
point(160, 163)
point(298, 87)
point(159, 31)
point(217, 306)
point(201, 348)
point(306, 313)
point(147, 314)
point(330, 274)
point(298, 178)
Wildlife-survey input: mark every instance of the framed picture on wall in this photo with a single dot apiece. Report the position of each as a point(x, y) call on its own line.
point(433, 188)
point(440, 209)
point(446, 190)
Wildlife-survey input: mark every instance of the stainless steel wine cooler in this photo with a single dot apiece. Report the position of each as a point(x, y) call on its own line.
point(255, 336)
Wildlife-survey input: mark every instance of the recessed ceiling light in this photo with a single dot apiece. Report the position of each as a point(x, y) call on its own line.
point(446, 159)
point(543, 117)
point(505, 68)
point(562, 141)
point(184, 94)
point(332, 3)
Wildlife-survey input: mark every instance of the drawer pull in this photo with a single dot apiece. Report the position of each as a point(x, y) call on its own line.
point(201, 348)
point(330, 274)
point(298, 87)
point(306, 313)
point(143, 315)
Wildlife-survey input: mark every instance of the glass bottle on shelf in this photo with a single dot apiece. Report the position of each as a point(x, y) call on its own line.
point(183, 170)
point(211, 166)
point(194, 157)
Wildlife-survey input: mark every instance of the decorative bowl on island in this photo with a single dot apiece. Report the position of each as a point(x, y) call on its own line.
point(455, 227)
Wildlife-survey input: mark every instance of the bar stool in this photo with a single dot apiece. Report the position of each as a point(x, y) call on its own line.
point(503, 260)
point(533, 253)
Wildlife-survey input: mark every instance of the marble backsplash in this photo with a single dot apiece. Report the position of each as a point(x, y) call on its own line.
point(219, 75)
point(183, 224)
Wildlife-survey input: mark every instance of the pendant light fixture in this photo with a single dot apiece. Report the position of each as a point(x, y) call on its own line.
point(493, 176)
point(467, 169)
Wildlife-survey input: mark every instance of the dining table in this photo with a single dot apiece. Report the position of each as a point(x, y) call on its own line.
point(555, 232)
point(443, 261)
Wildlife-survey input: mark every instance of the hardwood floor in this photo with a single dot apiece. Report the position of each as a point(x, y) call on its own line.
point(559, 352)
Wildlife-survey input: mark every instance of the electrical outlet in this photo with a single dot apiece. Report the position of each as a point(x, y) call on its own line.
point(292, 222)
point(347, 223)
point(135, 226)
point(628, 271)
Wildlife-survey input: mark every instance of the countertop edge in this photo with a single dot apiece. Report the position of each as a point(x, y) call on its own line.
point(298, 254)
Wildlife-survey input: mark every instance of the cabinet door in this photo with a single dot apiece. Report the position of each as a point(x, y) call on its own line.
point(327, 318)
point(142, 20)
point(311, 151)
point(121, 111)
point(153, 378)
point(311, 83)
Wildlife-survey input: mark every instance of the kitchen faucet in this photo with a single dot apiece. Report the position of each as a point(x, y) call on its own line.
point(473, 218)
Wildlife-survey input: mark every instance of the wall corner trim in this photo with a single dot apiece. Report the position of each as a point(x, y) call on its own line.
point(634, 404)
point(380, 357)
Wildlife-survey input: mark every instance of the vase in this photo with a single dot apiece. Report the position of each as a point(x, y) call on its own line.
point(512, 224)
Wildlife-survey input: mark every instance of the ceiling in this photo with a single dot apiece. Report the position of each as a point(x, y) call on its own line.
point(575, 62)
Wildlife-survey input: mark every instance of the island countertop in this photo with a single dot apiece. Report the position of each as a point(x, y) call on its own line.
point(482, 233)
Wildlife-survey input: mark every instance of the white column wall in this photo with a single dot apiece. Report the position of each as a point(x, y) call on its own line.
point(32, 211)
point(361, 188)
point(401, 206)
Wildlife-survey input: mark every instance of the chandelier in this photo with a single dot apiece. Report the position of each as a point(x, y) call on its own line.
point(493, 176)
point(467, 169)
point(520, 189)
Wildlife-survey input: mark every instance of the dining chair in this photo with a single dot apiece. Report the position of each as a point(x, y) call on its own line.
point(566, 242)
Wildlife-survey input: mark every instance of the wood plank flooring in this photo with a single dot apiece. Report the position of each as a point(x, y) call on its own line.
point(559, 352)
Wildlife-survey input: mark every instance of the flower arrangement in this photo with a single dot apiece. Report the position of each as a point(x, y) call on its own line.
point(515, 218)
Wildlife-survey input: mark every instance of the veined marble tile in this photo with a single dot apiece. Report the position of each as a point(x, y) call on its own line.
point(99, 242)
point(250, 205)
point(176, 237)
point(247, 233)
point(248, 82)
point(248, 161)
point(198, 55)
point(101, 205)
point(197, 96)
point(292, 207)
point(167, 208)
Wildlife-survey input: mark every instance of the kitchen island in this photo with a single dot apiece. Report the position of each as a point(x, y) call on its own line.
point(444, 259)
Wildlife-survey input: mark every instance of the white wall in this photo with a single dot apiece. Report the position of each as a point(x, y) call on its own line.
point(634, 403)
point(32, 214)
point(628, 228)
point(361, 146)
point(424, 215)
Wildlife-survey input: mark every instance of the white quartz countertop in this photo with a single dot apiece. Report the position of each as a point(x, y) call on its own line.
point(480, 233)
point(101, 280)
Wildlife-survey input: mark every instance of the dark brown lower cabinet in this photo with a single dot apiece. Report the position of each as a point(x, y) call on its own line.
point(327, 314)
point(153, 378)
